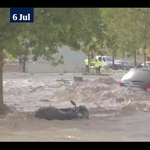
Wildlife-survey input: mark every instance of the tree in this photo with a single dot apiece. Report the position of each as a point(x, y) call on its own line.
point(127, 28)
point(111, 32)
point(52, 28)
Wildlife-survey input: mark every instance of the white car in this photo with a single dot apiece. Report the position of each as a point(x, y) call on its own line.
point(106, 60)
point(147, 64)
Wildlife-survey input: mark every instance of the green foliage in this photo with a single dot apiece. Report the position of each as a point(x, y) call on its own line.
point(129, 54)
point(52, 28)
point(121, 29)
point(127, 28)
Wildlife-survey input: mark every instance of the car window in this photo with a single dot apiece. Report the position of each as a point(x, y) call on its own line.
point(137, 75)
point(99, 58)
point(126, 62)
point(104, 59)
point(129, 75)
point(129, 62)
point(109, 58)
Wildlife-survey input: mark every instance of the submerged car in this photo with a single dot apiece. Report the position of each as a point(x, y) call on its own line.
point(138, 77)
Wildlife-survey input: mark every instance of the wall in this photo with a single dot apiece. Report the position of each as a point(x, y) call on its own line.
point(71, 59)
point(11, 68)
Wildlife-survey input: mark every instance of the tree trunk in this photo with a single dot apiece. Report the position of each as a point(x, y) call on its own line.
point(1, 76)
point(113, 57)
point(135, 59)
point(144, 55)
point(115, 54)
point(144, 58)
point(123, 54)
point(144, 48)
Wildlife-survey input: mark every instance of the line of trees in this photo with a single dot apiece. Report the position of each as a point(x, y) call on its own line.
point(120, 29)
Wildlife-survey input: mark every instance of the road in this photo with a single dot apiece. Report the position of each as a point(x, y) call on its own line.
point(68, 76)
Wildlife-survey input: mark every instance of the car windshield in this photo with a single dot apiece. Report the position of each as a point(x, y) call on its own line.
point(137, 75)
point(109, 58)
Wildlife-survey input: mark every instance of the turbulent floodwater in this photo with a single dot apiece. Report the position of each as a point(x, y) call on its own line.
point(112, 109)
point(101, 95)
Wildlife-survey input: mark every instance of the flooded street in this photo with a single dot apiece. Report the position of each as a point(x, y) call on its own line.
point(116, 114)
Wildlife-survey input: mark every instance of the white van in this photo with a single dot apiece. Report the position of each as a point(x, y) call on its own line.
point(107, 61)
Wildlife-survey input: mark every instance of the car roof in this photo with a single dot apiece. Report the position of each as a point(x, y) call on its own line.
point(141, 74)
point(141, 69)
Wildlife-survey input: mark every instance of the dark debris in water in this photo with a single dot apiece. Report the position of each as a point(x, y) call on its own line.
point(45, 100)
point(120, 99)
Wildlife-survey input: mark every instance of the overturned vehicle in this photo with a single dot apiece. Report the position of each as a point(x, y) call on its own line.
point(53, 113)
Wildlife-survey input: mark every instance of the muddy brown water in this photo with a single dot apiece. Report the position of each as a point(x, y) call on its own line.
point(110, 119)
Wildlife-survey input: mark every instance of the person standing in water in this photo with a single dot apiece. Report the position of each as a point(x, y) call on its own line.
point(20, 63)
point(86, 64)
point(23, 64)
point(97, 65)
point(24, 60)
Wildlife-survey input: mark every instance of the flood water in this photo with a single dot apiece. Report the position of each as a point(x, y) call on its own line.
point(116, 114)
